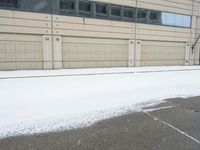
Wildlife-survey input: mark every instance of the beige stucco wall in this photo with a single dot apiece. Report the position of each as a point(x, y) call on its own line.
point(53, 32)
point(94, 52)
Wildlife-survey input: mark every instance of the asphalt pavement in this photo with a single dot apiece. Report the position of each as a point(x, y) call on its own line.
point(172, 125)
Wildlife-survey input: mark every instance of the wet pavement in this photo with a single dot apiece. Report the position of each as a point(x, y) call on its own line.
point(172, 125)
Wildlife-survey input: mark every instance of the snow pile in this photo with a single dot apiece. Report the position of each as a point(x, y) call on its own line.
point(35, 105)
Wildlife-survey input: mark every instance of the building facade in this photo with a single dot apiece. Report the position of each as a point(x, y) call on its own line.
point(62, 34)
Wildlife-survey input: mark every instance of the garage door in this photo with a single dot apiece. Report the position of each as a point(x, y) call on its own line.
point(162, 53)
point(20, 52)
point(93, 52)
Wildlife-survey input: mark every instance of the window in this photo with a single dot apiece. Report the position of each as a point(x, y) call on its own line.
point(129, 13)
point(142, 15)
point(84, 6)
point(9, 3)
point(178, 20)
point(115, 11)
point(187, 21)
point(168, 19)
point(171, 19)
point(67, 4)
point(1, 3)
point(101, 9)
point(154, 17)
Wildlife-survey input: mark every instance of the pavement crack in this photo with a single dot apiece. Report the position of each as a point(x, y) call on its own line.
point(173, 127)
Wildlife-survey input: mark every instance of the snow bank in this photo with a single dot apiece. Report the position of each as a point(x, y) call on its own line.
point(35, 105)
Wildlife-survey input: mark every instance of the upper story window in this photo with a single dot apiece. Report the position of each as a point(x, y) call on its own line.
point(155, 17)
point(9, 3)
point(142, 15)
point(101, 9)
point(84, 8)
point(171, 19)
point(67, 4)
point(115, 11)
point(129, 13)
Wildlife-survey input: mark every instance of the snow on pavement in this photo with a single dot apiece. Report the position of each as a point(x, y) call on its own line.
point(35, 73)
point(35, 105)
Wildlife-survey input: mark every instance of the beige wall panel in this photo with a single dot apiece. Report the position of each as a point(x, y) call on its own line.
point(57, 52)
point(20, 52)
point(197, 24)
point(47, 52)
point(93, 34)
point(183, 7)
point(110, 23)
point(194, 22)
point(162, 53)
point(88, 21)
point(74, 26)
point(161, 38)
point(85, 27)
point(187, 54)
point(19, 37)
point(197, 54)
point(93, 40)
point(68, 19)
point(24, 15)
point(25, 30)
point(91, 52)
point(138, 46)
point(24, 22)
point(162, 33)
point(196, 9)
point(162, 28)
point(131, 53)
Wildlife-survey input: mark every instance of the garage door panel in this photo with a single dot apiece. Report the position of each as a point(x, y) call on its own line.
point(20, 52)
point(162, 53)
point(93, 52)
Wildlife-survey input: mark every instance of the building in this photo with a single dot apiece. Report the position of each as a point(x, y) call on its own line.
point(56, 34)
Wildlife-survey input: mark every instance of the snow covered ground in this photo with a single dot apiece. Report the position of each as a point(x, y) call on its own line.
point(42, 104)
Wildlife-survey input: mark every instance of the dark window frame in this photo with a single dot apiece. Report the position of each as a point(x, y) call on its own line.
point(157, 19)
point(85, 12)
point(114, 9)
point(105, 8)
point(133, 12)
point(13, 4)
point(142, 19)
point(67, 1)
point(2, 3)
point(66, 10)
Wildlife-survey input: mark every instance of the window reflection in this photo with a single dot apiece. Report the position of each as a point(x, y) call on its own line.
point(176, 20)
point(187, 21)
